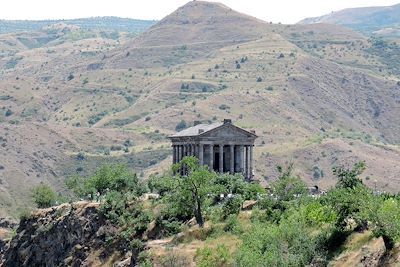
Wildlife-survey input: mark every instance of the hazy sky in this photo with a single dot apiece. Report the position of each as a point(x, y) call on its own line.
point(285, 11)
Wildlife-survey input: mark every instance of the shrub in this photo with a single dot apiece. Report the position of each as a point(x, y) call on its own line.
point(8, 113)
point(80, 156)
point(44, 196)
point(288, 187)
point(289, 243)
point(384, 215)
point(348, 178)
point(107, 178)
point(224, 107)
point(232, 206)
point(232, 225)
point(181, 126)
point(259, 79)
point(173, 259)
point(208, 257)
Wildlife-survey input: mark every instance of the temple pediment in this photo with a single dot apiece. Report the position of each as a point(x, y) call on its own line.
point(229, 131)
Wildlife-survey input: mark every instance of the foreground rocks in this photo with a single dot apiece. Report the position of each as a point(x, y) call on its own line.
point(67, 235)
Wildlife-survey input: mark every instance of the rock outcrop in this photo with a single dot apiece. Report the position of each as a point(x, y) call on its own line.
point(67, 235)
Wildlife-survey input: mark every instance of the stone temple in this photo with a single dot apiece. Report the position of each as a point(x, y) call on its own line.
point(223, 147)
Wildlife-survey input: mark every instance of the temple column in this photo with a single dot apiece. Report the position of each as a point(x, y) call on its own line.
point(232, 165)
point(241, 169)
point(173, 154)
point(251, 163)
point(221, 158)
point(201, 150)
point(179, 148)
point(193, 150)
point(246, 164)
point(211, 163)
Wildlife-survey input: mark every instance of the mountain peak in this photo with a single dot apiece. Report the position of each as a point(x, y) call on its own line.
point(203, 11)
point(201, 21)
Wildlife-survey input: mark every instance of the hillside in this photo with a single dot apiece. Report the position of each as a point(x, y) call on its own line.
point(381, 20)
point(96, 23)
point(318, 95)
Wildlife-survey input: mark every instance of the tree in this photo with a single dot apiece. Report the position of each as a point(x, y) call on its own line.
point(44, 196)
point(195, 186)
point(8, 113)
point(288, 187)
point(348, 178)
point(181, 125)
point(384, 217)
point(107, 178)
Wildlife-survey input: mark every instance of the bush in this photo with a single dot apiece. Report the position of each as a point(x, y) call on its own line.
point(232, 206)
point(8, 113)
point(107, 178)
point(288, 187)
point(173, 259)
point(208, 257)
point(289, 243)
point(259, 79)
point(232, 225)
point(181, 126)
point(80, 156)
point(44, 196)
point(125, 210)
point(349, 178)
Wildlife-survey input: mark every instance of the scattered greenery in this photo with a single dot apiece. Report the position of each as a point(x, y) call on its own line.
point(106, 179)
point(44, 196)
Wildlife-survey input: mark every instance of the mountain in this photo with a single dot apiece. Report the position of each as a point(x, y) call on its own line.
point(95, 23)
point(381, 20)
point(318, 95)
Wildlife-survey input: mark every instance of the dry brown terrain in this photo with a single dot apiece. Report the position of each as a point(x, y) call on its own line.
point(317, 95)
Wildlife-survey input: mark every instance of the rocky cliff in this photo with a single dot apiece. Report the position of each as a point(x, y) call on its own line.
point(67, 235)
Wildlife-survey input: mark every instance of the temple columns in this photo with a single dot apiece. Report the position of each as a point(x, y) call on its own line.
point(251, 163)
point(201, 151)
point(246, 165)
point(241, 159)
point(232, 163)
point(211, 163)
point(221, 158)
point(174, 154)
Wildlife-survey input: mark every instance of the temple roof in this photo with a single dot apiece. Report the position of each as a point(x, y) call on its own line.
point(197, 130)
point(201, 129)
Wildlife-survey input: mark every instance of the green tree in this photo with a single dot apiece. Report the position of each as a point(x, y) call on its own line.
point(349, 178)
point(44, 196)
point(384, 217)
point(194, 187)
point(287, 187)
point(106, 178)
